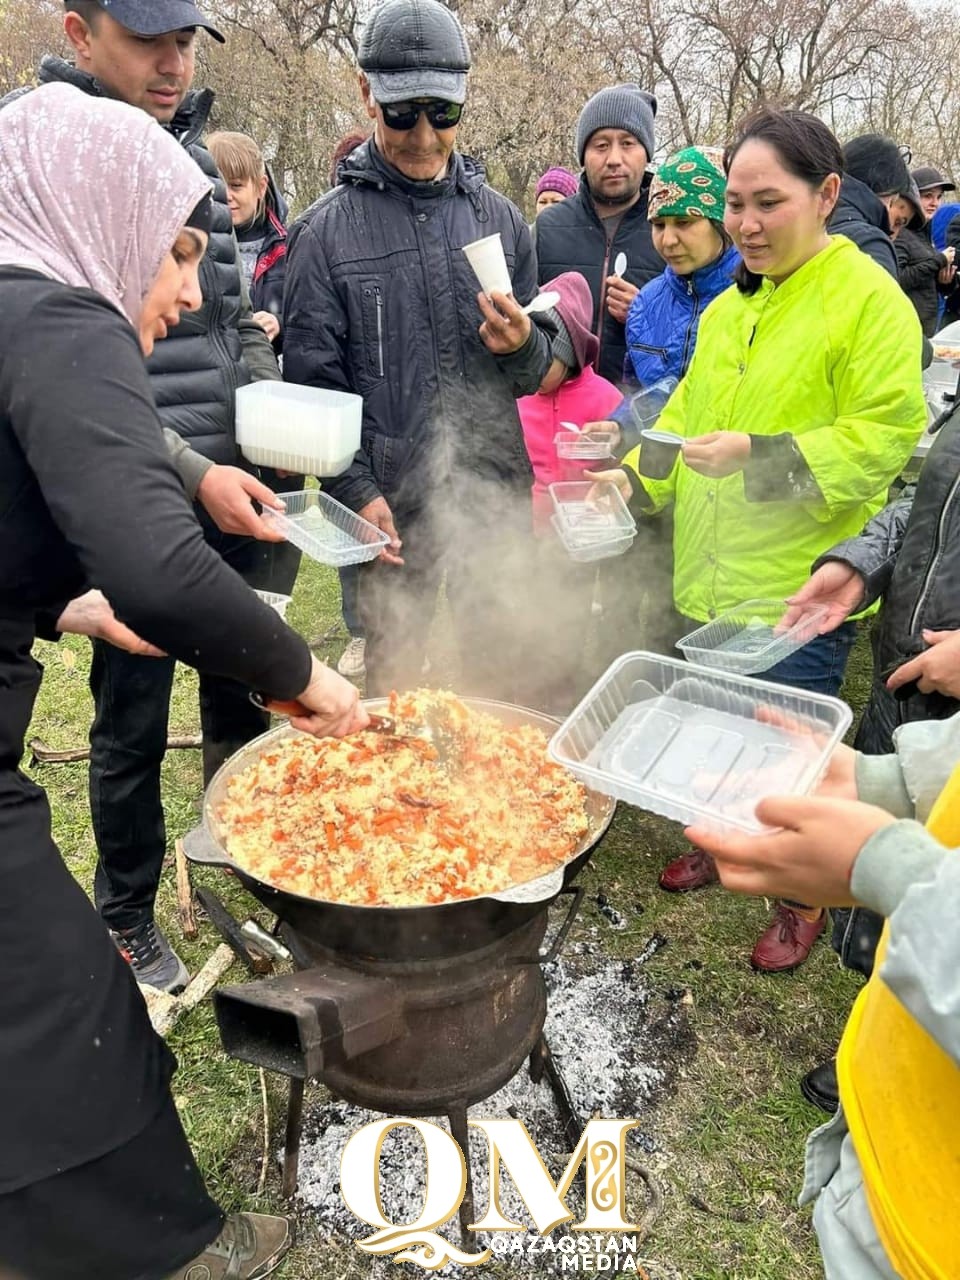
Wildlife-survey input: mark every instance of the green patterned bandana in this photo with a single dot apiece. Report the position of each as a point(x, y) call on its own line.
point(691, 184)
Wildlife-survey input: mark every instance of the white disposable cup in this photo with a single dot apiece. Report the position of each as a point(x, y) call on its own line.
point(489, 264)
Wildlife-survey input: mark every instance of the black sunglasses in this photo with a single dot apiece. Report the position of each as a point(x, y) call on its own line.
point(404, 115)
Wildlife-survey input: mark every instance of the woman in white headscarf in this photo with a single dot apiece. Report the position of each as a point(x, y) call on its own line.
point(97, 260)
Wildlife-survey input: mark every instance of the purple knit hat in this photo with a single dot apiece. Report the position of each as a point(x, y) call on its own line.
point(558, 179)
point(575, 344)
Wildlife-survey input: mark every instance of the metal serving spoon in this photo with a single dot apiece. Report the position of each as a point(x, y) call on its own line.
point(439, 736)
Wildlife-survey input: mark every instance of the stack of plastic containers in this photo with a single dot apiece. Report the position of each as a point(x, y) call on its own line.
point(305, 430)
point(591, 521)
point(697, 745)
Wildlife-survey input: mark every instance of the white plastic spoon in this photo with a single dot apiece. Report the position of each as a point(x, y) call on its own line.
point(619, 264)
point(542, 302)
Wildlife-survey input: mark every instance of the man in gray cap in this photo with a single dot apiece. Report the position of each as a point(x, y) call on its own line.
point(604, 226)
point(380, 300)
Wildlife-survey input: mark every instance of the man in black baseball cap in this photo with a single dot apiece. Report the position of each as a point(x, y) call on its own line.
point(156, 17)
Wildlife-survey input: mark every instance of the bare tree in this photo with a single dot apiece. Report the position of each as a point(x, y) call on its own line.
point(28, 30)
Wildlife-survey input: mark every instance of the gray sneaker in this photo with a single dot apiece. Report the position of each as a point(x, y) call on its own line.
point(351, 664)
point(250, 1246)
point(151, 957)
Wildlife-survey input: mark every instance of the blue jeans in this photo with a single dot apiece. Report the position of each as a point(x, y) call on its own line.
point(819, 666)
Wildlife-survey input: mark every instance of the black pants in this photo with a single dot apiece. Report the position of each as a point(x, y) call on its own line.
point(138, 1213)
point(276, 563)
point(128, 741)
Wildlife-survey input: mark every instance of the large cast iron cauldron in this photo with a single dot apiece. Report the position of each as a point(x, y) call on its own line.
point(398, 933)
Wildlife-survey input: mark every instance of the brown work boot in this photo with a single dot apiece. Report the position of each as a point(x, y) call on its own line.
point(251, 1245)
point(787, 941)
point(691, 871)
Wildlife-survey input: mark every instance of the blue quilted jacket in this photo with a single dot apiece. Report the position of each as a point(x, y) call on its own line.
point(662, 322)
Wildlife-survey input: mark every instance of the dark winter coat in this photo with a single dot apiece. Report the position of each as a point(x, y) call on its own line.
point(861, 216)
point(571, 237)
point(196, 369)
point(910, 555)
point(381, 301)
point(919, 263)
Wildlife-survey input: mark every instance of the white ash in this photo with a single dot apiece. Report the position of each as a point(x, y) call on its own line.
point(613, 1053)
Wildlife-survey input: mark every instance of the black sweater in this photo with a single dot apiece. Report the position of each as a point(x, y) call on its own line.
point(88, 496)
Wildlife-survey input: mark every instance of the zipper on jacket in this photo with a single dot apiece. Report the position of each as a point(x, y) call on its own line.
point(685, 354)
point(379, 299)
point(938, 549)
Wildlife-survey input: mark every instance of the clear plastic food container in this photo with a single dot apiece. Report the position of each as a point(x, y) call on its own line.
point(600, 519)
point(275, 600)
point(588, 548)
point(582, 448)
point(697, 745)
point(306, 430)
point(647, 405)
point(748, 639)
point(326, 530)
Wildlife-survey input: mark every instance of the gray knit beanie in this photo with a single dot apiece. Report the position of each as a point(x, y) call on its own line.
point(623, 106)
point(563, 343)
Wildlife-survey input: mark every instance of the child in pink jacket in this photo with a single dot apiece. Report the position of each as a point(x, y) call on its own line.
point(571, 391)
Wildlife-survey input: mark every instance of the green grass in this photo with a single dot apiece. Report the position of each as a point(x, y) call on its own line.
point(730, 1131)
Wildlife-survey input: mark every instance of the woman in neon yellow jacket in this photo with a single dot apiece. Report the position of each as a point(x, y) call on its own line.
point(802, 403)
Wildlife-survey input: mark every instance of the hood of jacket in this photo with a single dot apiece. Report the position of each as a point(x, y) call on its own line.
point(187, 124)
point(857, 203)
point(275, 200)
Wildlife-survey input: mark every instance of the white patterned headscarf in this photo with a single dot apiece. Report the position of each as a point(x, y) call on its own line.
point(92, 192)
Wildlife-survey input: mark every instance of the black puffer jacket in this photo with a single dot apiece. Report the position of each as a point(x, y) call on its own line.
point(571, 237)
point(920, 263)
point(861, 216)
point(197, 368)
point(380, 300)
point(910, 555)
